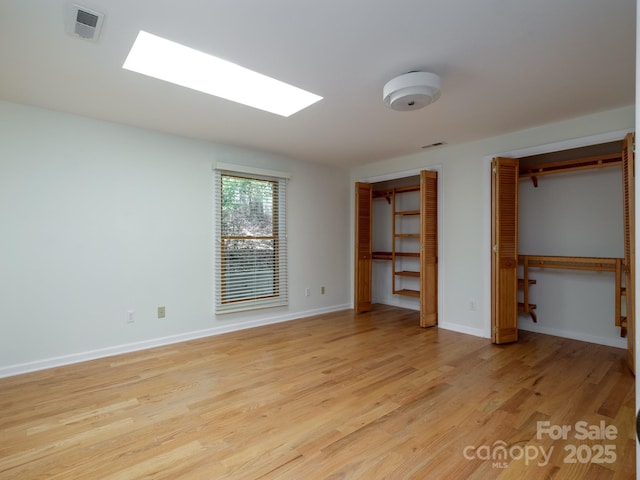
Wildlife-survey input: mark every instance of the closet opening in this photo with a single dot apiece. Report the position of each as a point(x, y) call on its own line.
point(396, 248)
point(562, 237)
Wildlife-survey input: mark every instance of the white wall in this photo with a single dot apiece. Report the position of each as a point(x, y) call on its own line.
point(99, 218)
point(464, 183)
point(573, 214)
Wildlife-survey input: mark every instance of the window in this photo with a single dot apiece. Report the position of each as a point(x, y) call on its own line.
point(251, 246)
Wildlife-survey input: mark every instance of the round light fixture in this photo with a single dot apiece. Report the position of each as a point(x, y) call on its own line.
point(411, 91)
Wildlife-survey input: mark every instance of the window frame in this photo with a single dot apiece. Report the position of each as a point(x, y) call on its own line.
point(278, 235)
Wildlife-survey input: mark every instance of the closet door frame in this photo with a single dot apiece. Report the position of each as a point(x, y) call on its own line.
point(358, 269)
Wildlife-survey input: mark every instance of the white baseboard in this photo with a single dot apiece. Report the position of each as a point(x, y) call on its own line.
point(476, 332)
point(21, 368)
point(610, 342)
point(397, 301)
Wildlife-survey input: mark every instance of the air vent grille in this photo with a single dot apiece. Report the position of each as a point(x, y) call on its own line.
point(85, 23)
point(436, 144)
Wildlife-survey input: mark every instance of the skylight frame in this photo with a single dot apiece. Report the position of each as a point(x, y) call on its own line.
point(175, 63)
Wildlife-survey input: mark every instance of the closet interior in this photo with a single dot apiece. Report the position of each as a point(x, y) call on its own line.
point(396, 244)
point(516, 275)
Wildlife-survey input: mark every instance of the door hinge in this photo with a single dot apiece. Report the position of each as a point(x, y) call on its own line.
point(495, 248)
point(495, 169)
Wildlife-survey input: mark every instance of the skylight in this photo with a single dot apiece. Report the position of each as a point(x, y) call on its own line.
point(172, 62)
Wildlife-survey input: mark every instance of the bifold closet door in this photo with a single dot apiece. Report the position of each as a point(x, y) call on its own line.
point(363, 255)
point(628, 212)
point(504, 245)
point(428, 248)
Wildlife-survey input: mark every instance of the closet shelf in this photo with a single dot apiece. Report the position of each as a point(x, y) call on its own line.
point(382, 193)
point(600, 264)
point(408, 293)
point(595, 264)
point(600, 161)
point(407, 254)
point(407, 273)
point(410, 188)
point(381, 255)
point(405, 265)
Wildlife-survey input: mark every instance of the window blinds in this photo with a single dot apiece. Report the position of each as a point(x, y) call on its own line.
point(250, 258)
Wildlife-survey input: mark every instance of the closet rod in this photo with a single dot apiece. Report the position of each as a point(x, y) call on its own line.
point(588, 163)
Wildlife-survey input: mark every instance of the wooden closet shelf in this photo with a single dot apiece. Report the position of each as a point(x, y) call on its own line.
point(410, 188)
point(596, 264)
point(408, 205)
point(387, 194)
point(523, 309)
point(600, 264)
point(382, 193)
point(600, 161)
point(407, 273)
point(408, 293)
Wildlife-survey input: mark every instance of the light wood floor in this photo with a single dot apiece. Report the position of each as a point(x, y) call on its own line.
point(337, 396)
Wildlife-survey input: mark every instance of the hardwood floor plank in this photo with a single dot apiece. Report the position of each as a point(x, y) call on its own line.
point(335, 396)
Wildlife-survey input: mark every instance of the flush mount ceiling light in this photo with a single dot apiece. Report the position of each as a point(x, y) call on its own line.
point(411, 91)
point(175, 63)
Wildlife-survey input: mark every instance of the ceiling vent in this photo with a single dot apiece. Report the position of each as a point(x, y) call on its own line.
point(411, 91)
point(84, 23)
point(432, 145)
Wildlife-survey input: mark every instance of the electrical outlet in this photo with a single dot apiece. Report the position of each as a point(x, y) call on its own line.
point(161, 312)
point(322, 290)
point(307, 292)
point(131, 316)
point(472, 305)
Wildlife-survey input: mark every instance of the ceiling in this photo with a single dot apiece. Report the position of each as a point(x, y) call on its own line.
point(505, 65)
